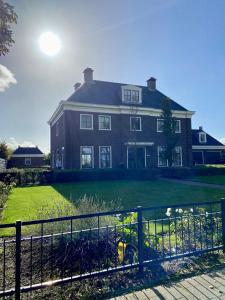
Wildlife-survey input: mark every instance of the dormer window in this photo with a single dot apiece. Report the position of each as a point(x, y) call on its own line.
point(131, 94)
point(202, 137)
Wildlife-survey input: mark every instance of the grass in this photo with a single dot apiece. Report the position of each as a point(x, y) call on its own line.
point(25, 203)
point(214, 179)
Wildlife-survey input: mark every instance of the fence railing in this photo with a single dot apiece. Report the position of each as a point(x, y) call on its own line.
point(51, 252)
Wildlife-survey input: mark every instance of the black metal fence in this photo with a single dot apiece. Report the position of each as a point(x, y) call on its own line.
point(44, 253)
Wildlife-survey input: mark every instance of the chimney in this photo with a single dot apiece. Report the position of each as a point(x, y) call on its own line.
point(88, 75)
point(76, 86)
point(200, 128)
point(151, 83)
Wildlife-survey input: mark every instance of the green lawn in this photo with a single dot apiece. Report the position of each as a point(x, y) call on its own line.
point(216, 179)
point(29, 202)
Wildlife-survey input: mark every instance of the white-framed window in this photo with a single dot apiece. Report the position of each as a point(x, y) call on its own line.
point(162, 162)
point(104, 122)
point(177, 156)
point(131, 94)
point(27, 161)
point(86, 157)
point(135, 123)
point(86, 121)
point(57, 128)
point(105, 157)
point(177, 126)
point(202, 137)
point(160, 125)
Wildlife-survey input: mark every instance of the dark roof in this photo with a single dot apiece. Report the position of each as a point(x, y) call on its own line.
point(210, 141)
point(27, 150)
point(102, 92)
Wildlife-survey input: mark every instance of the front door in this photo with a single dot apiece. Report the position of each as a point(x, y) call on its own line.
point(136, 157)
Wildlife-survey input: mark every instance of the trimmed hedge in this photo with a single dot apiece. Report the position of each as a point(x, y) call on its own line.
point(24, 177)
point(32, 177)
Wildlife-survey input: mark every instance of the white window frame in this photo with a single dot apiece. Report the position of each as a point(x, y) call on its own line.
point(99, 154)
point(179, 122)
point(161, 166)
point(92, 147)
point(131, 88)
point(91, 115)
point(176, 131)
point(205, 139)
point(27, 159)
point(158, 125)
point(140, 124)
point(57, 128)
point(99, 122)
point(181, 157)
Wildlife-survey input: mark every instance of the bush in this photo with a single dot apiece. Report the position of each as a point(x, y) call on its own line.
point(5, 189)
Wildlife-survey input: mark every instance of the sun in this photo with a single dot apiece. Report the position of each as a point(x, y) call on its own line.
point(49, 43)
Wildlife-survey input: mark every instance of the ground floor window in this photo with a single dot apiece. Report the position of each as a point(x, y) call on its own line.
point(177, 156)
point(87, 159)
point(162, 162)
point(105, 157)
point(27, 161)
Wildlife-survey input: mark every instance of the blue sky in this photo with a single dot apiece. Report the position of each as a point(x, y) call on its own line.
point(179, 42)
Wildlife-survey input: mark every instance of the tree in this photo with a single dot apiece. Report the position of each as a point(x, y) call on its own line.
point(169, 130)
point(5, 152)
point(7, 17)
point(47, 159)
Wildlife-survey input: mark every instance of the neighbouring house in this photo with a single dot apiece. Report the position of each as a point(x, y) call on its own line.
point(110, 125)
point(27, 157)
point(205, 148)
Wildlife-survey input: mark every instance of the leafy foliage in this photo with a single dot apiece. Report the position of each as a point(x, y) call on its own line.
point(168, 130)
point(5, 152)
point(7, 17)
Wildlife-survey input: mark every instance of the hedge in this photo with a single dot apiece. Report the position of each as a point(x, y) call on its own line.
point(42, 176)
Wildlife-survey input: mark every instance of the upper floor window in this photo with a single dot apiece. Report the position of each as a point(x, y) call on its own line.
point(135, 123)
point(104, 122)
point(131, 94)
point(202, 137)
point(86, 121)
point(160, 125)
point(57, 128)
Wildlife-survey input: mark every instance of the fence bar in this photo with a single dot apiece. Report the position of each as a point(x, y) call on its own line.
point(223, 221)
point(140, 238)
point(18, 260)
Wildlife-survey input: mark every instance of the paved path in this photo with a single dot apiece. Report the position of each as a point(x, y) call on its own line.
point(196, 183)
point(204, 287)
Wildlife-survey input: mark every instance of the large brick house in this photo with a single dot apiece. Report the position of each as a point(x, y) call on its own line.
point(110, 125)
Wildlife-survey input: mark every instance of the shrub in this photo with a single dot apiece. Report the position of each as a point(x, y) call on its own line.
point(5, 189)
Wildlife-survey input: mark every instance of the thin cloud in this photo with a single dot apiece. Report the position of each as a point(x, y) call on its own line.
point(13, 143)
point(6, 78)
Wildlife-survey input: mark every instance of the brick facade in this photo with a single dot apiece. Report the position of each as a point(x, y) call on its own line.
point(70, 138)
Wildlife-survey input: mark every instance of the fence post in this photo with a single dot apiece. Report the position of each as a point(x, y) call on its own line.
point(18, 260)
point(140, 238)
